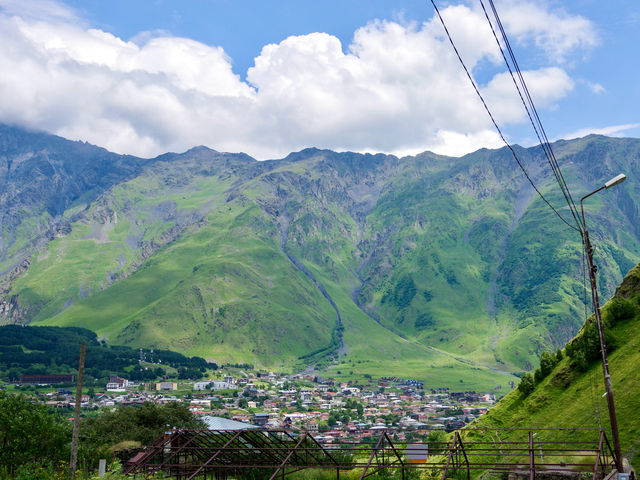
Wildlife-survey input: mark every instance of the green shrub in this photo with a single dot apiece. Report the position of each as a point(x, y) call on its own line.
point(619, 309)
point(31, 438)
point(527, 384)
point(437, 440)
point(585, 348)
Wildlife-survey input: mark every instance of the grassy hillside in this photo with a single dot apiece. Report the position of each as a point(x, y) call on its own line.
point(571, 395)
point(446, 269)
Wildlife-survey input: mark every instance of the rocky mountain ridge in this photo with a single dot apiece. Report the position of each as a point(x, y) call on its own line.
point(320, 257)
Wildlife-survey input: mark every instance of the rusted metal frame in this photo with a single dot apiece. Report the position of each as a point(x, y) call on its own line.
point(471, 449)
point(213, 443)
point(305, 450)
point(242, 450)
point(168, 446)
point(268, 448)
point(532, 471)
point(212, 458)
point(324, 450)
point(316, 453)
point(613, 456)
point(173, 454)
point(482, 429)
point(284, 462)
point(522, 441)
point(275, 445)
point(217, 438)
point(245, 448)
point(595, 467)
point(394, 449)
point(449, 458)
point(464, 454)
point(374, 453)
point(549, 442)
point(517, 464)
point(209, 443)
point(152, 450)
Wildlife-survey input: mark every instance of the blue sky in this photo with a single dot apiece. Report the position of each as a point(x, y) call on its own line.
point(268, 78)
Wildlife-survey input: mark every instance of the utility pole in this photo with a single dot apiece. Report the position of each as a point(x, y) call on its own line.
point(603, 350)
point(76, 417)
point(596, 306)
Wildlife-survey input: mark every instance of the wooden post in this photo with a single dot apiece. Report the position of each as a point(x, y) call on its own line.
point(76, 417)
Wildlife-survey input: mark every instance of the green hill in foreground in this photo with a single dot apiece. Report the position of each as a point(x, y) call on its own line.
point(571, 395)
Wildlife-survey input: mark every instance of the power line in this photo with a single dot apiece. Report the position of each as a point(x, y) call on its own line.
point(530, 108)
point(495, 124)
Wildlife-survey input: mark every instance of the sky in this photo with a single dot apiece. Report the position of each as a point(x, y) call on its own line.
point(270, 77)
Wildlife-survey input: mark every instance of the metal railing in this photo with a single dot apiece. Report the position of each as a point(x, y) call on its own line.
point(220, 454)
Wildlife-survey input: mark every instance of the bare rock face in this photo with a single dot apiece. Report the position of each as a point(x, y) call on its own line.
point(41, 176)
point(10, 310)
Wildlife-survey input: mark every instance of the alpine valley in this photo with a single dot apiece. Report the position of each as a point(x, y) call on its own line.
point(451, 270)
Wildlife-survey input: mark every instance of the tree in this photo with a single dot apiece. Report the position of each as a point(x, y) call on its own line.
point(437, 441)
point(142, 424)
point(527, 384)
point(29, 435)
point(547, 363)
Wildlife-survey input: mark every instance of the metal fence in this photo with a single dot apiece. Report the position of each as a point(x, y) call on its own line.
point(224, 454)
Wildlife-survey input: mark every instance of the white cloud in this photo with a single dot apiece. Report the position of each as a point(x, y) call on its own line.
point(456, 144)
point(546, 86)
point(612, 131)
point(38, 9)
point(596, 88)
point(396, 88)
point(556, 32)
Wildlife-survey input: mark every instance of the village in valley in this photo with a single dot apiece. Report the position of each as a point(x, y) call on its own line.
point(329, 409)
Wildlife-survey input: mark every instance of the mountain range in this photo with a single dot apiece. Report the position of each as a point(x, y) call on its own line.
point(426, 266)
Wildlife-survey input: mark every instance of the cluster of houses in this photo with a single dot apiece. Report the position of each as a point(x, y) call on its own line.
point(331, 410)
point(334, 410)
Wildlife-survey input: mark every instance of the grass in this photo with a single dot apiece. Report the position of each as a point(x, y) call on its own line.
point(568, 398)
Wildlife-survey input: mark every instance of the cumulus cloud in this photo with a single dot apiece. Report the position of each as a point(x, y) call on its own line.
point(556, 32)
point(396, 88)
point(612, 131)
point(39, 9)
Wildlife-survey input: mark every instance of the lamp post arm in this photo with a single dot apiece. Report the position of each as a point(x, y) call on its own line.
point(584, 223)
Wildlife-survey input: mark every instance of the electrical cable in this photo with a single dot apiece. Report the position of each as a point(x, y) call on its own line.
point(495, 124)
point(534, 118)
point(531, 110)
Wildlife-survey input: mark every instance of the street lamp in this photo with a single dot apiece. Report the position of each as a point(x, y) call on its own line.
point(596, 305)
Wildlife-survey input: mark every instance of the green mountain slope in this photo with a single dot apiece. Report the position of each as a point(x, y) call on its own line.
point(41, 177)
point(346, 261)
point(571, 395)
